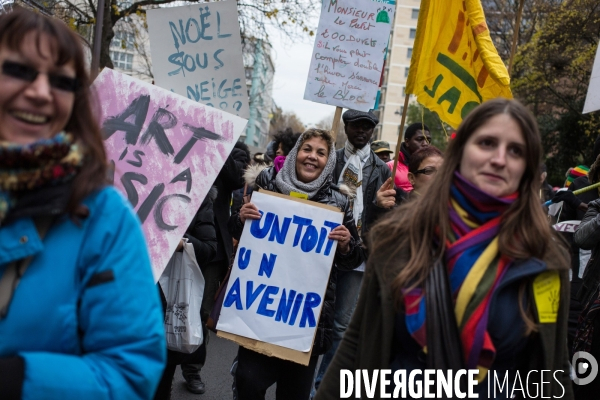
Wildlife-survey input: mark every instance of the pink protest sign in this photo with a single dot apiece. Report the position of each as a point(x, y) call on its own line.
point(166, 150)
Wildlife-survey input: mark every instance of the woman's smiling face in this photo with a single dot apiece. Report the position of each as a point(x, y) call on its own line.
point(311, 159)
point(38, 109)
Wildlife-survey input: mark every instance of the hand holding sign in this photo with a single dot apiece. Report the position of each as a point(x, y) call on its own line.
point(249, 211)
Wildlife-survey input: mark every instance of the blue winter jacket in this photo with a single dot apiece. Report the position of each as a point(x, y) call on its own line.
point(86, 315)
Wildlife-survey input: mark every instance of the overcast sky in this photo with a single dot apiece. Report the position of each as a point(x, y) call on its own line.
point(292, 61)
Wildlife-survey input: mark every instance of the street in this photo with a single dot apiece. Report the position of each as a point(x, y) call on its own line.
point(215, 374)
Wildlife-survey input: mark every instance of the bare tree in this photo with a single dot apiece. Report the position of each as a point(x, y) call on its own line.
point(289, 16)
point(285, 119)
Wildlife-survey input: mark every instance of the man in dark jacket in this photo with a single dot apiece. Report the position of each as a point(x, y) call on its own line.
point(574, 209)
point(229, 179)
point(363, 171)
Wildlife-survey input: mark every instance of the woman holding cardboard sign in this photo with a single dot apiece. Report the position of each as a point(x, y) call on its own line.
point(80, 316)
point(305, 173)
point(470, 276)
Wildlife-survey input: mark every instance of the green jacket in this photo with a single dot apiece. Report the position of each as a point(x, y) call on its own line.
point(368, 341)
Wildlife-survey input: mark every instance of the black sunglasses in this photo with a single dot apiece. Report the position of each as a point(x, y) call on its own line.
point(30, 74)
point(426, 171)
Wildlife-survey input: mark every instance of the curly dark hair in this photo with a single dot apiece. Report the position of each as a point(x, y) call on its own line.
point(287, 139)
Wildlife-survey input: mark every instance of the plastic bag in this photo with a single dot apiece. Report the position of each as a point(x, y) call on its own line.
point(183, 285)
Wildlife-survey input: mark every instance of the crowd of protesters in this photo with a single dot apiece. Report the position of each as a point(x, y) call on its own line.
point(436, 267)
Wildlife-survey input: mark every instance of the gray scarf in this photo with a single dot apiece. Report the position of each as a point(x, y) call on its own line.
point(287, 180)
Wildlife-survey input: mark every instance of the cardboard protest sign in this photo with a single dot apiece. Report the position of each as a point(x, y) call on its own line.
point(166, 151)
point(280, 272)
point(592, 100)
point(197, 53)
point(347, 60)
point(454, 65)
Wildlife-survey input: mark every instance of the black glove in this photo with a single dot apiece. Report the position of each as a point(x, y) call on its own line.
point(12, 374)
point(567, 197)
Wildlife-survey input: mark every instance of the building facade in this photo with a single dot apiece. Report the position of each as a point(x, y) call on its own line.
point(130, 49)
point(396, 70)
point(260, 71)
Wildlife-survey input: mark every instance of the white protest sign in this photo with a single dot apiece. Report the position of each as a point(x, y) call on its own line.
point(197, 53)
point(347, 60)
point(592, 100)
point(567, 226)
point(166, 151)
point(280, 273)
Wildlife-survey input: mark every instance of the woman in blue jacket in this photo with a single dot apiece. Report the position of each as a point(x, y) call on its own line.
point(79, 313)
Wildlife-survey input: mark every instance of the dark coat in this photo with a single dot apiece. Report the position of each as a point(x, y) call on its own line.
point(201, 233)
point(588, 237)
point(568, 213)
point(328, 194)
point(378, 172)
point(229, 179)
point(369, 344)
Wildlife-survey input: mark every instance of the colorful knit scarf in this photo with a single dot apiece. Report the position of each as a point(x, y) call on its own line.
point(43, 163)
point(474, 267)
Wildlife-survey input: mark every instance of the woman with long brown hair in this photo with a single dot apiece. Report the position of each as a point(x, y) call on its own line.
point(80, 316)
point(470, 276)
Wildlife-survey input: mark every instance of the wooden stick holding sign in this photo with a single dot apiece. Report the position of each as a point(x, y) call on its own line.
point(336, 123)
point(400, 137)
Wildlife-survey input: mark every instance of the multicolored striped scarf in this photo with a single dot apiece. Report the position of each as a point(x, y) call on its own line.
point(475, 268)
point(43, 163)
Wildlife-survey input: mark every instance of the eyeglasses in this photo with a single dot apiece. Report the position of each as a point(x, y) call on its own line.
point(30, 74)
point(426, 171)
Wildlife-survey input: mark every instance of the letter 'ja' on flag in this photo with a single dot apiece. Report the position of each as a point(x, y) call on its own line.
point(454, 65)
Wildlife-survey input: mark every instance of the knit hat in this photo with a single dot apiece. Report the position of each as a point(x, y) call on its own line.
point(574, 173)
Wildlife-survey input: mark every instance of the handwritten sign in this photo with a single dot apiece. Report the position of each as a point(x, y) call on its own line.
point(347, 59)
point(197, 53)
point(166, 151)
point(280, 272)
point(592, 99)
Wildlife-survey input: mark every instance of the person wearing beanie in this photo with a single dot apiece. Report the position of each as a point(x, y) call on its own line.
point(416, 136)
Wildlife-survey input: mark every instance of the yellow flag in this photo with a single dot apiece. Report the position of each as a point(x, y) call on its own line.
point(454, 65)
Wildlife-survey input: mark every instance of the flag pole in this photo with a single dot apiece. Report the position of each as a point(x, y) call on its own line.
point(97, 43)
point(400, 137)
point(513, 48)
point(336, 123)
point(578, 191)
